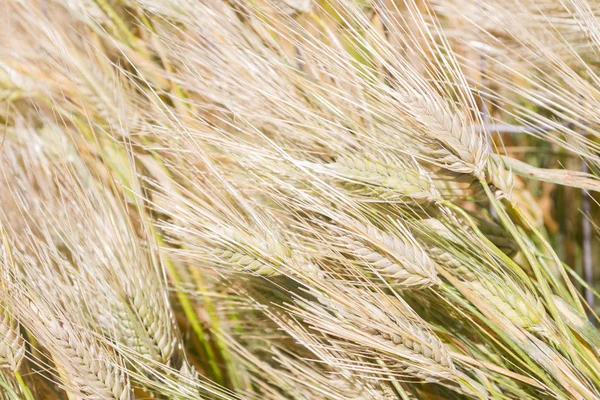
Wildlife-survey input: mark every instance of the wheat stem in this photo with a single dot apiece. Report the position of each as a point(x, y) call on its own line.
point(24, 388)
point(8, 390)
point(190, 313)
point(540, 274)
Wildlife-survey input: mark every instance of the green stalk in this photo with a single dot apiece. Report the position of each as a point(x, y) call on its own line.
point(499, 253)
point(215, 324)
point(24, 388)
point(572, 290)
point(9, 391)
point(120, 24)
point(541, 275)
point(190, 313)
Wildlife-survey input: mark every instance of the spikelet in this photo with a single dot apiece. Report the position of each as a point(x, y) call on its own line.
point(158, 329)
point(420, 342)
point(12, 346)
point(261, 256)
point(453, 264)
point(187, 370)
point(401, 181)
point(188, 377)
point(500, 176)
point(400, 262)
point(455, 189)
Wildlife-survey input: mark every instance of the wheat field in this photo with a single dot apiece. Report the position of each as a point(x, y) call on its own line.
point(299, 199)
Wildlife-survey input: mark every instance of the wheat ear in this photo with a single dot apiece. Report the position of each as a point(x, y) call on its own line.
point(520, 307)
point(400, 262)
point(318, 382)
point(400, 181)
point(261, 255)
point(86, 365)
point(12, 345)
point(139, 323)
point(452, 144)
point(450, 262)
point(364, 327)
point(500, 176)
